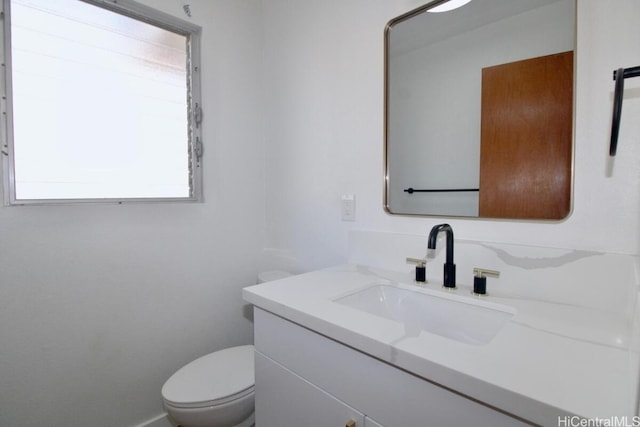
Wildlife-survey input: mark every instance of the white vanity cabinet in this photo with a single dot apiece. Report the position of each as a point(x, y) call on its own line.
point(306, 379)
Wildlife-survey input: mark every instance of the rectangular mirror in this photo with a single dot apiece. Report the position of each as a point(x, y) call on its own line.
point(479, 110)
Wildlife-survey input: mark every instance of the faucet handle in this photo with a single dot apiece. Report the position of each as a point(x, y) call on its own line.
point(483, 272)
point(420, 262)
point(421, 270)
point(480, 279)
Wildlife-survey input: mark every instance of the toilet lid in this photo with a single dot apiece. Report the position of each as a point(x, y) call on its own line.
point(212, 379)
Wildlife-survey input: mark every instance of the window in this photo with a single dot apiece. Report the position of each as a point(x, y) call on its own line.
point(101, 103)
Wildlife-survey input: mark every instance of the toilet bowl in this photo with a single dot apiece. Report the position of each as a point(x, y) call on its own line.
point(216, 390)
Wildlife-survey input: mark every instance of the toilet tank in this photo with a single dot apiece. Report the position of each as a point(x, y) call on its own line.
point(268, 276)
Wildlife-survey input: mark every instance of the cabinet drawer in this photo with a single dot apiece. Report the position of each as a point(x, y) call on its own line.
point(285, 399)
point(368, 422)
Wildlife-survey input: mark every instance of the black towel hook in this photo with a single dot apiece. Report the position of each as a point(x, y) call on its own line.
point(619, 75)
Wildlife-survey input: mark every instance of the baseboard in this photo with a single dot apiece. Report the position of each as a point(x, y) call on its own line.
point(159, 421)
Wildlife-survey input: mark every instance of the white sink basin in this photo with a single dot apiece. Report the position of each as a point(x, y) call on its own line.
point(462, 319)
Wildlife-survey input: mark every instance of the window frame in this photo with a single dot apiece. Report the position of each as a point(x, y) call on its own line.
point(141, 13)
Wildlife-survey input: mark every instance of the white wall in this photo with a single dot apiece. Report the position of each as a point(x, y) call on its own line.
point(324, 65)
point(100, 304)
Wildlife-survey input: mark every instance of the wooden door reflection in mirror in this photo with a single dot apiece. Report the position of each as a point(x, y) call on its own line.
point(525, 148)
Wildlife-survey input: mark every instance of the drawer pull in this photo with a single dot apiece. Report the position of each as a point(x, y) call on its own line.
point(350, 423)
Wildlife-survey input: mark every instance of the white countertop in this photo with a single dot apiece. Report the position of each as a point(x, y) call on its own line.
point(550, 360)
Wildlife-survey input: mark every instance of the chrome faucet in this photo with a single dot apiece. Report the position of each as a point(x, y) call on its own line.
point(449, 279)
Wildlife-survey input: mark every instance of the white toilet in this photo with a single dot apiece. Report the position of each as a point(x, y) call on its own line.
point(216, 390)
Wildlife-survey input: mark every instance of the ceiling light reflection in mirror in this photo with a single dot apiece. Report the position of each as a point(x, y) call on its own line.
point(450, 5)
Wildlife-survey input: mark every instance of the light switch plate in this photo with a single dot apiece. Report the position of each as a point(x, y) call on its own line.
point(348, 207)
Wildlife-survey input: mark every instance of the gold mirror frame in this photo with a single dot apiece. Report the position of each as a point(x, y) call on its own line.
point(420, 11)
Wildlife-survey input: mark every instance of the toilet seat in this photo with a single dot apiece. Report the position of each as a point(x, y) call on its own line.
point(206, 404)
point(212, 380)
